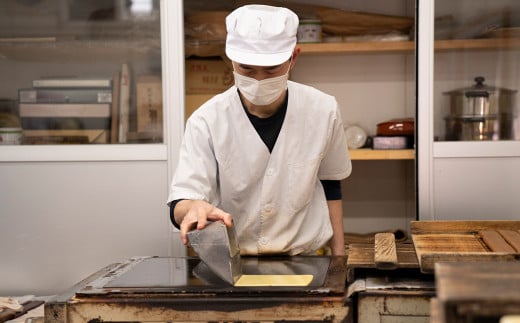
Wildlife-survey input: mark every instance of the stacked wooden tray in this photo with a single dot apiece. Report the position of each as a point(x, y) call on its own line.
point(454, 241)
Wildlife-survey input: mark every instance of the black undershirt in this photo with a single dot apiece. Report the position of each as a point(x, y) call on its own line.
point(268, 129)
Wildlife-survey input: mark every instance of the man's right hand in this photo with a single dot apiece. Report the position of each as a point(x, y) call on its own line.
point(196, 213)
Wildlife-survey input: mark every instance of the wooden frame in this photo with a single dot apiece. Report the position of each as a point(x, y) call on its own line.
point(451, 241)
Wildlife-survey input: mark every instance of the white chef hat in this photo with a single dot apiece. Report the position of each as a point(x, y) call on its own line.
point(261, 35)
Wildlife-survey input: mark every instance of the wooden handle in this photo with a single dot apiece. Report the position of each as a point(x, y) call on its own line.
point(385, 252)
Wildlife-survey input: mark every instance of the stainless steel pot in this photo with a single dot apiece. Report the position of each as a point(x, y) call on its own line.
point(472, 128)
point(480, 112)
point(481, 100)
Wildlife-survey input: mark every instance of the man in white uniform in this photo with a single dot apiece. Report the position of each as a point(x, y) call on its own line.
point(267, 155)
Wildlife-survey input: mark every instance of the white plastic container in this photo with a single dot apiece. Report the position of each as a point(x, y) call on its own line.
point(11, 136)
point(356, 137)
point(309, 31)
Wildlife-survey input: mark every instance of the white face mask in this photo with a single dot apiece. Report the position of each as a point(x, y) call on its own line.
point(261, 92)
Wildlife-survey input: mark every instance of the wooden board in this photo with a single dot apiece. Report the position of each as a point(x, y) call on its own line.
point(512, 237)
point(467, 291)
point(418, 227)
point(385, 256)
point(454, 241)
point(494, 240)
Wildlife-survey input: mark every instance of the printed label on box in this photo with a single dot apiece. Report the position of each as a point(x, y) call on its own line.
point(205, 76)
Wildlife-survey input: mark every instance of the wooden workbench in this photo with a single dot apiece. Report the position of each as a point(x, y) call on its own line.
point(476, 291)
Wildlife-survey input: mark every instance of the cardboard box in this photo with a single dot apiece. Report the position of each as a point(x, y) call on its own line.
point(149, 104)
point(208, 76)
point(194, 101)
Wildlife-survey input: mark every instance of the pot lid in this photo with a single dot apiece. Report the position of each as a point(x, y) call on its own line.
point(479, 89)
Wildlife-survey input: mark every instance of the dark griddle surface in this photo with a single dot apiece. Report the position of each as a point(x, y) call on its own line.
point(190, 275)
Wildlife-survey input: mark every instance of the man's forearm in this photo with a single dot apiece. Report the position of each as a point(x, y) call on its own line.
point(337, 242)
point(181, 208)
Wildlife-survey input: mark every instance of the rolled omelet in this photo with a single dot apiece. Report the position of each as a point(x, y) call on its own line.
point(273, 280)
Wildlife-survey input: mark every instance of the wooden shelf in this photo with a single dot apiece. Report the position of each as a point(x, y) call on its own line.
point(407, 46)
point(485, 43)
point(356, 47)
point(49, 49)
point(383, 154)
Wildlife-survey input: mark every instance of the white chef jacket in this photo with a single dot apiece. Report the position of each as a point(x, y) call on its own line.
point(276, 199)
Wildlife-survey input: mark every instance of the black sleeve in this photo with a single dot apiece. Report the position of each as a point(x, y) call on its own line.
point(332, 189)
point(172, 218)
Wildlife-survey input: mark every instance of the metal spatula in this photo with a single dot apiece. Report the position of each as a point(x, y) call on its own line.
point(217, 246)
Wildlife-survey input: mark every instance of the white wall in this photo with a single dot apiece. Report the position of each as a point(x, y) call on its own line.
point(477, 188)
point(61, 222)
point(369, 88)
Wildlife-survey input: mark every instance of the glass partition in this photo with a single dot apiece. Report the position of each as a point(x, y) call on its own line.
point(80, 72)
point(477, 70)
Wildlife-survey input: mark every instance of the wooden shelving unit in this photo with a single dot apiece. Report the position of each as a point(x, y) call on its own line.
point(79, 49)
point(365, 47)
point(401, 47)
